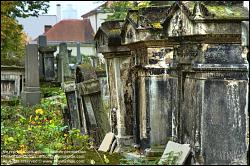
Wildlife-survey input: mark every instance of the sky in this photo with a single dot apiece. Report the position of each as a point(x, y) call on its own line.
point(82, 7)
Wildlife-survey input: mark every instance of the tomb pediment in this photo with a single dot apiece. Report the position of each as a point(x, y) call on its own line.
point(108, 34)
point(189, 18)
point(143, 24)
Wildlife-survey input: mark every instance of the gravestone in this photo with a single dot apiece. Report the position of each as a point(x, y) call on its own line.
point(70, 91)
point(63, 56)
point(47, 55)
point(31, 93)
point(42, 41)
point(78, 54)
point(90, 102)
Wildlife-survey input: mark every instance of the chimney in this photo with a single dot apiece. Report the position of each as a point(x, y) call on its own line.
point(46, 28)
point(58, 12)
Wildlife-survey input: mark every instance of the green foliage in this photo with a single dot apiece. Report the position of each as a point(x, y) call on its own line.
point(171, 158)
point(120, 8)
point(51, 90)
point(139, 161)
point(38, 128)
point(25, 8)
point(85, 59)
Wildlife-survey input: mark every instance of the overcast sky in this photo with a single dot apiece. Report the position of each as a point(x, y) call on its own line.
point(82, 7)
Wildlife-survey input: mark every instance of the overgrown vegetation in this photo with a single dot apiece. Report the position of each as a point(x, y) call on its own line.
point(41, 129)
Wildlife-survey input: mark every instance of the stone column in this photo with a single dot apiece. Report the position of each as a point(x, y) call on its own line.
point(31, 93)
point(119, 99)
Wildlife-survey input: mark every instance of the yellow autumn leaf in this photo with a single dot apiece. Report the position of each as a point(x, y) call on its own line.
point(39, 111)
point(30, 118)
point(21, 151)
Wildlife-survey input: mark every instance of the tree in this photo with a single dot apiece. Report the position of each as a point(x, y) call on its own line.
point(13, 39)
point(120, 8)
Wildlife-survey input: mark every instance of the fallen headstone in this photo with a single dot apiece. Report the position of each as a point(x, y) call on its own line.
point(107, 142)
point(175, 149)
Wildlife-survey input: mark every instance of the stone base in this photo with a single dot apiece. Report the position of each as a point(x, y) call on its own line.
point(30, 98)
point(124, 142)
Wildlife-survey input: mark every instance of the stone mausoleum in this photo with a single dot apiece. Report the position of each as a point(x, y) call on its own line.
point(180, 73)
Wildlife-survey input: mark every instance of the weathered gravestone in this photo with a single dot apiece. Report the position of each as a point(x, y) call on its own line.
point(72, 113)
point(47, 55)
point(94, 120)
point(63, 68)
point(31, 93)
point(42, 41)
point(78, 54)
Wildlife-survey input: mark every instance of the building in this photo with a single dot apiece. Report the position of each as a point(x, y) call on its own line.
point(34, 26)
point(97, 16)
point(73, 31)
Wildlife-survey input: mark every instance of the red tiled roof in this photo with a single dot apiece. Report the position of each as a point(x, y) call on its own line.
point(71, 30)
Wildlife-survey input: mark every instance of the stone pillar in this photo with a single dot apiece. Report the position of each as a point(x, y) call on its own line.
point(79, 57)
point(31, 93)
point(42, 41)
point(119, 99)
point(63, 54)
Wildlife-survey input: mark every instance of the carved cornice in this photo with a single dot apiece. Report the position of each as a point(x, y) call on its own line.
point(110, 55)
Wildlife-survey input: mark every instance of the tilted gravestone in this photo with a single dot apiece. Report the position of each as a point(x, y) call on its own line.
point(31, 93)
point(73, 113)
point(90, 103)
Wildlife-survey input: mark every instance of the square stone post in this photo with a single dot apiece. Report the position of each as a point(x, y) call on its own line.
point(42, 41)
point(79, 57)
point(31, 93)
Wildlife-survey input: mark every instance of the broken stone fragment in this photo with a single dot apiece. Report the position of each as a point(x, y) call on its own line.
point(107, 142)
point(180, 150)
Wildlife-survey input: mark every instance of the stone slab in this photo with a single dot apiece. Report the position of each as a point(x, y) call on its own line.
point(107, 142)
point(183, 149)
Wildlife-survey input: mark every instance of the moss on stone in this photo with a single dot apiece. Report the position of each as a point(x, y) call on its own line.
point(157, 25)
point(227, 11)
